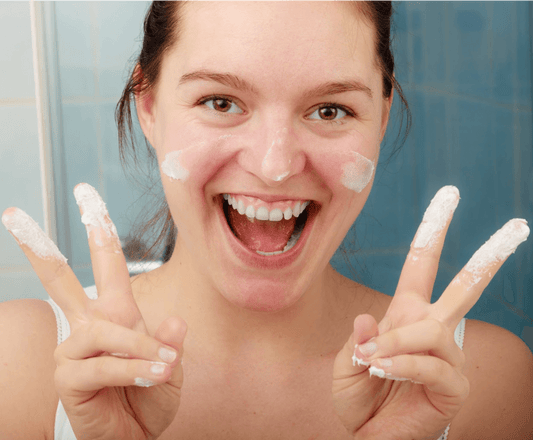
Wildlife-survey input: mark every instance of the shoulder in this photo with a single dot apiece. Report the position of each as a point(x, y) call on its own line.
point(28, 338)
point(499, 367)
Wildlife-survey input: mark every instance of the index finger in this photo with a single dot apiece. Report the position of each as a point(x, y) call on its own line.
point(48, 262)
point(422, 263)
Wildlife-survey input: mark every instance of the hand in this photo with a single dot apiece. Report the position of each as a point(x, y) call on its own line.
point(421, 386)
point(114, 379)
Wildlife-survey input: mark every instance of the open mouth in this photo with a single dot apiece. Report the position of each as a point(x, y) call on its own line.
point(266, 229)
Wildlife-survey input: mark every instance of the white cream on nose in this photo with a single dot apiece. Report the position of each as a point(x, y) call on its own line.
point(357, 173)
point(273, 167)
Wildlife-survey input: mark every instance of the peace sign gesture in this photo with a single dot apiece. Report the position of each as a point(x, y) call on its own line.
point(113, 378)
point(413, 347)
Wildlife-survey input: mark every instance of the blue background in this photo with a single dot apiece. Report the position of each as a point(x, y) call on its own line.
point(466, 70)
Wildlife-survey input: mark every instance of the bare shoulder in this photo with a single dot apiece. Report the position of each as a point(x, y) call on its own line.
point(28, 338)
point(499, 367)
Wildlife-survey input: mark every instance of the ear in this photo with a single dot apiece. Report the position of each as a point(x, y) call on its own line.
point(144, 104)
point(387, 104)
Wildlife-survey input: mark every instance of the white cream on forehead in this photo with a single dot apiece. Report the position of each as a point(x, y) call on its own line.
point(28, 232)
point(357, 174)
point(173, 168)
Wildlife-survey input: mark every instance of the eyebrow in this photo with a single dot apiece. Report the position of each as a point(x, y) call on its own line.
point(233, 81)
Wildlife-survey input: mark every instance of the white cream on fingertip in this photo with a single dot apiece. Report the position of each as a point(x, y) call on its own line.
point(502, 244)
point(28, 232)
point(357, 174)
point(173, 168)
point(94, 211)
point(378, 372)
point(436, 217)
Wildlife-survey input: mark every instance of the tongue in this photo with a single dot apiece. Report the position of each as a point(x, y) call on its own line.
point(261, 235)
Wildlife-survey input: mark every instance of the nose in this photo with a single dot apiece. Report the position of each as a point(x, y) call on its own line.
point(274, 156)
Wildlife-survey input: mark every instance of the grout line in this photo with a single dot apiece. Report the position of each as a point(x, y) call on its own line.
point(17, 102)
point(451, 93)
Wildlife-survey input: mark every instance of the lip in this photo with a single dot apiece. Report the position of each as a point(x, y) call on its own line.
point(271, 198)
point(270, 262)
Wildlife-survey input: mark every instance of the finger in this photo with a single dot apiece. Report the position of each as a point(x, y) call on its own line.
point(172, 332)
point(47, 261)
point(346, 363)
point(466, 288)
point(437, 375)
point(427, 336)
point(110, 270)
point(422, 263)
point(108, 371)
point(99, 336)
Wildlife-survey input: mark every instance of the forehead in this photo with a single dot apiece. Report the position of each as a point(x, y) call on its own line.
point(293, 39)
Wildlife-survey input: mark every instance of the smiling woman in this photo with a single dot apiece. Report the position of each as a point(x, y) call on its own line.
point(265, 121)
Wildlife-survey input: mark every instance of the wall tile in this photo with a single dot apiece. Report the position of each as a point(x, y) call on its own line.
point(75, 48)
point(21, 173)
point(18, 285)
point(15, 51)
point(120, 33)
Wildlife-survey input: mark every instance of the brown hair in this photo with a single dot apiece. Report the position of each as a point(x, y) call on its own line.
point(161, 31)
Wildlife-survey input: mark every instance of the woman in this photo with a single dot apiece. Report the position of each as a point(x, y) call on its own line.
point(266, 119)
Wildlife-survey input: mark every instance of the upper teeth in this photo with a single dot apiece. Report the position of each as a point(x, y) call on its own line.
point(262, 212)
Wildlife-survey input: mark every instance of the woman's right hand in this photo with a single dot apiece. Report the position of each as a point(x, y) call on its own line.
point(114, 380)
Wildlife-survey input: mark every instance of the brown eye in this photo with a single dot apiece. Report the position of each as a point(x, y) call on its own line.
point(328, 113)
point(222, 105)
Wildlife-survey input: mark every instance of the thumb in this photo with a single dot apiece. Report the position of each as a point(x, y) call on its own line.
point(365, 327)
point(172, 332)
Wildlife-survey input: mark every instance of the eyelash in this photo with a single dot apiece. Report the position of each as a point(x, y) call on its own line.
point(348, 112)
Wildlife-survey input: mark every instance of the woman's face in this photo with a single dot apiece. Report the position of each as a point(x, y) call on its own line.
point(276, 105)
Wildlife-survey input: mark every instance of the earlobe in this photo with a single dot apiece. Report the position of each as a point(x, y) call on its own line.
point(144, 106)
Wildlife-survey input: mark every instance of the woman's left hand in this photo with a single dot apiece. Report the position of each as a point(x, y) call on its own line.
point(420, 387)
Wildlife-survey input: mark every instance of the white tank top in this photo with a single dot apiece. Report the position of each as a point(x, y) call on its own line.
point(63, 430)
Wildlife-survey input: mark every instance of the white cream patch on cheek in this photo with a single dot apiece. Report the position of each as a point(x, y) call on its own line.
point(357, 174)
point(173, 168)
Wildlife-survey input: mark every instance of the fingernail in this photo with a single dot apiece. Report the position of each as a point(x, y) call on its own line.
point(141, 382)
point(368, 349)
point(436, 216)
point(94, 210)
point(157, 368)
point(28, 232)
point(167, 355)
point(385, 363)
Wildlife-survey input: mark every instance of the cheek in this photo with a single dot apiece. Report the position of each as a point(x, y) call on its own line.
point(347, 163)
point(183, 155)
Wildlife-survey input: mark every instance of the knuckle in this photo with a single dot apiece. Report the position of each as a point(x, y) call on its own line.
point(437, 331)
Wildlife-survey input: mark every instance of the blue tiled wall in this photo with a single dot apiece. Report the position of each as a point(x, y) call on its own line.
point(19, 146)
point(465, 69)
point(466, 72)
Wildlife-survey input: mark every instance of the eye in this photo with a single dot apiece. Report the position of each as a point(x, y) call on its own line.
point(330, 113)
point(221, 104)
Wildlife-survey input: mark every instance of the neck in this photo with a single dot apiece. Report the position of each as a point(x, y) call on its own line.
point(224, 329)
